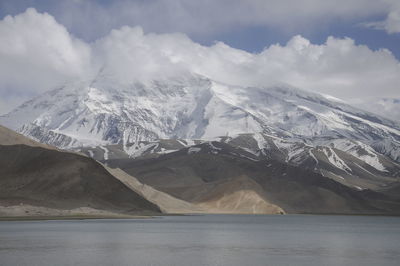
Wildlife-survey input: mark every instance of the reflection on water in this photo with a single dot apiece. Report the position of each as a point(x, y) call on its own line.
point(204, 240)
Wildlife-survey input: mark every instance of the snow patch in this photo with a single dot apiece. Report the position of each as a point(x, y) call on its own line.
point(105, 152)
point(165, 151)
point(192, 150)
point(361, 151)
point(335, 160)
point(213, 147)
point(189, 142)
point(138, 149)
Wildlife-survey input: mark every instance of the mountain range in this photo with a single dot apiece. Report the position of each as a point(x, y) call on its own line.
point(290, 150)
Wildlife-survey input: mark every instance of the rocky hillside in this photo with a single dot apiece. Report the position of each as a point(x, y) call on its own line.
point(33, 175)
point(216, 174)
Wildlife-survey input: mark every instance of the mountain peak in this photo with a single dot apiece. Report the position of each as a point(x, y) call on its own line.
point(192, 107)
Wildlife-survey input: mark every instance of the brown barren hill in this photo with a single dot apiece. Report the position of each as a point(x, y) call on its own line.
point(36, 175)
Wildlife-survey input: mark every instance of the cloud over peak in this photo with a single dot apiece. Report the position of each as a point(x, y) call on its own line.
point(37, 53)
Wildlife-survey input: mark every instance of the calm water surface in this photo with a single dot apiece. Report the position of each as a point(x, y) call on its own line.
point(204, 240)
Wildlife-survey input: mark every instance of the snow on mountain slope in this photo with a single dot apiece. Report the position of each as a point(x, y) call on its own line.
point(104, 112)
point(350, 163)
point(335, 160)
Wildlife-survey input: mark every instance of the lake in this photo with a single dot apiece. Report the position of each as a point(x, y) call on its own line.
point(204, 240)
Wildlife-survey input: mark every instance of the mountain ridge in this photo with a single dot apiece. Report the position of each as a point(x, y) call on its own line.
point(108, 120)
point(154, 113)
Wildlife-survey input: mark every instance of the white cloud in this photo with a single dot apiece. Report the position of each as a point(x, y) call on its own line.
point(392, 22)
point(37, 53)
point(339, 67)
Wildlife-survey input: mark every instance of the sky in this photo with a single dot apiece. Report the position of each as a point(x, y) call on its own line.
point(346, 48)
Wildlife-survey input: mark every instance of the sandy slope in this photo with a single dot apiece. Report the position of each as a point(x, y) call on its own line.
point(239, 195)
point(166, 203)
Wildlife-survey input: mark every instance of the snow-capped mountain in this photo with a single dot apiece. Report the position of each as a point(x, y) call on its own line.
point(282, 121)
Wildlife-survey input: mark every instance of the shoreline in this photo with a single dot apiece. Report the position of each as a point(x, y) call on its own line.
point(122, 216)
point(71, 217)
